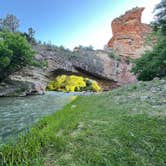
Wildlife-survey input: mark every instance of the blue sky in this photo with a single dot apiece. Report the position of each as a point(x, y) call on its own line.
point(72, 22)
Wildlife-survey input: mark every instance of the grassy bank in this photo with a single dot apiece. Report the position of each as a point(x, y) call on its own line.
point(124, 127)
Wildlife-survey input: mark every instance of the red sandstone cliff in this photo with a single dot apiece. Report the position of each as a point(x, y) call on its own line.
point(129, 34)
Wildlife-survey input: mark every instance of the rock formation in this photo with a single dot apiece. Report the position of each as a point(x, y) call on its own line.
point(101, 65)
point(129, 34)
point(110, 70)
point(33, 80)
point(95, 64)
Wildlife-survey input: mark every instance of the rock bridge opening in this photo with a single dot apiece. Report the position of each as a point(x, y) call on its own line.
point(105, 83)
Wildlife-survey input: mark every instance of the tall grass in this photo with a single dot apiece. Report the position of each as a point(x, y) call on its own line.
point(112, 129)
point(30, 146)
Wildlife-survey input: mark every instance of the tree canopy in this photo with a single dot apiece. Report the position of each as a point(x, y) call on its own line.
point(153, 63)
point(15, 52)
point(160, 17)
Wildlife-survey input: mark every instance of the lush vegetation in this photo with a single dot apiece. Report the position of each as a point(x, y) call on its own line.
point(126, 126)
point(30, 35)
point(15, 52)
point(73, 84)
point(160, 22)
point(16, 47)
point(153, 63)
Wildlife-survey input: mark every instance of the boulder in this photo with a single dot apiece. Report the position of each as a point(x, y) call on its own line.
point(27, 81)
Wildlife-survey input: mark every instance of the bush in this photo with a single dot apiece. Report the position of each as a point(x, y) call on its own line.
point(15, 52)
point(73, 83)
point(95, 86)
point(5, 55)
point(160, 17)
point(153, 63)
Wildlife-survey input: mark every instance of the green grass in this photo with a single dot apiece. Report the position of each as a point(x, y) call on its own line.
point(110, 129)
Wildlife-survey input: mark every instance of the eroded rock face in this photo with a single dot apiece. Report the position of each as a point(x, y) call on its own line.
point(94, 64)
point(129, 34)
point(33, 80)
point(127, 41)
point(27, 81)
point(101, 65)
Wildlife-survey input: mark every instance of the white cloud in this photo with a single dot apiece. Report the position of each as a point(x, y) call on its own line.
point(149, 5)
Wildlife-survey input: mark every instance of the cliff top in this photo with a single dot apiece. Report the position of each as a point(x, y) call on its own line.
point(134, 13)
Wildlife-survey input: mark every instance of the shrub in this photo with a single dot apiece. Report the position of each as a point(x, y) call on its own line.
point(153, 63)
point(5, 55)
point(95, 86)
point(15, 52)
point(73, 83)
point(160, 17)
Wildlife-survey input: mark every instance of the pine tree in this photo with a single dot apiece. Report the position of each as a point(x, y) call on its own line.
point(160, 14)
point(31, 34)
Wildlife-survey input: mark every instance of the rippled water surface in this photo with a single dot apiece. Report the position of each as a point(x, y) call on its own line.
point(18, 113)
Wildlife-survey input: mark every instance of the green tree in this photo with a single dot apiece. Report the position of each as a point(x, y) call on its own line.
point(15, 52)
point(5, 55)
point(160, 15)
point(153, 63)
point(31, 34)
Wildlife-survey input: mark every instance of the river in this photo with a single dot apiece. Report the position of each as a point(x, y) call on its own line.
point(19, 113)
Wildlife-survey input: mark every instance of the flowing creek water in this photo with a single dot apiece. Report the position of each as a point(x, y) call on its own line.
point(19, 113)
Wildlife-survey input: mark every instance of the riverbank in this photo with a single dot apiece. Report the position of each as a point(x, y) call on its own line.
point(124, 127)
point(17, 114)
